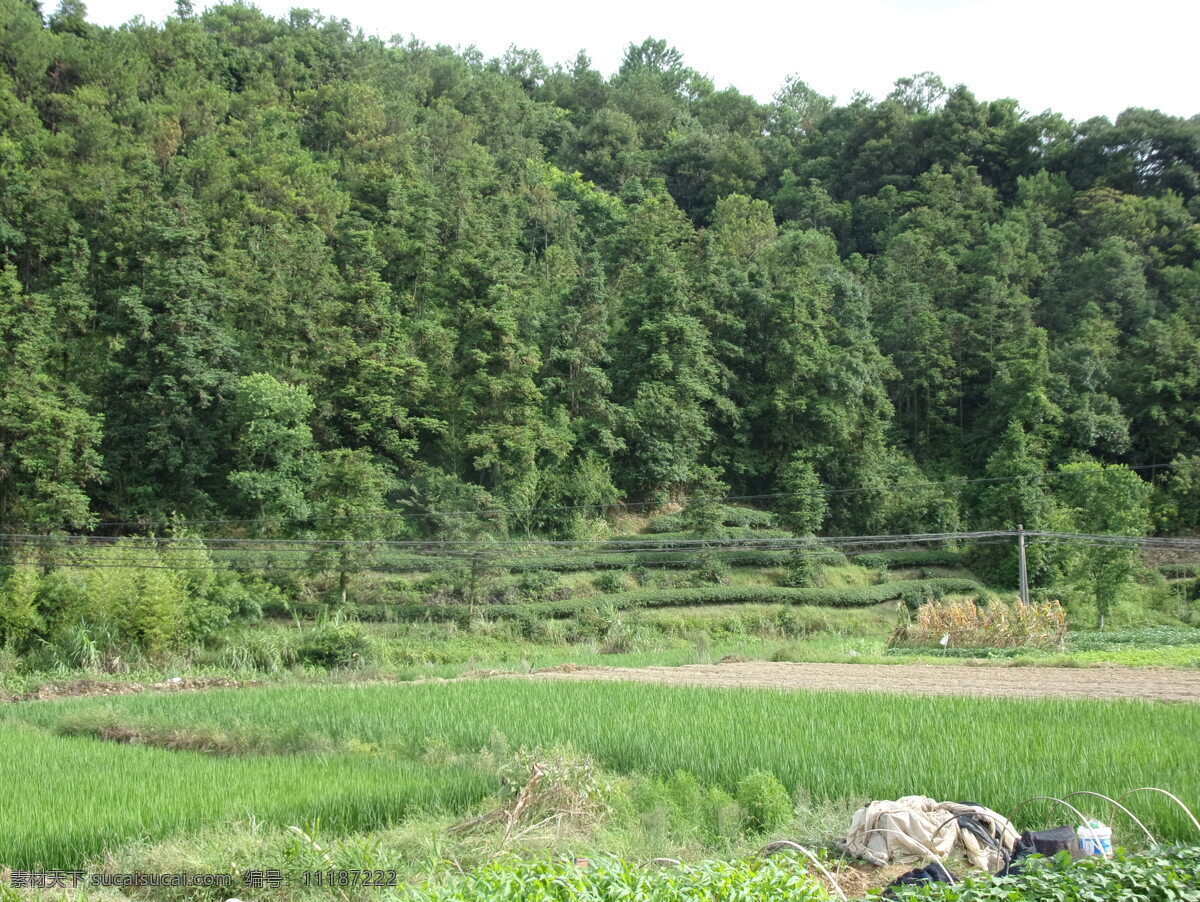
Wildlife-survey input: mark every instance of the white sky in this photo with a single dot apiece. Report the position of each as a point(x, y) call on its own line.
point(1081, 58)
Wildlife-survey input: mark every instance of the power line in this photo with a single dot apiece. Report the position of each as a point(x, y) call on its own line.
point(459, 546)
point(167, 554)
point(157, 554)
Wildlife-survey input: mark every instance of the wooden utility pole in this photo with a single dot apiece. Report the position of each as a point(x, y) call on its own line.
point(1024, 572)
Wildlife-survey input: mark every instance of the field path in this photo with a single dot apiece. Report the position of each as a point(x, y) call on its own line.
point(1157, 684)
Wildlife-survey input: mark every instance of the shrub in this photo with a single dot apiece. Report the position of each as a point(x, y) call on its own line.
point(1179, 571)
point(438, 588)
point(803, 572)
point(712, 572)
point(538, 585)
point(618, 640)
point(19, 618)
point(330, 644)
point(764, 800)
point(726, 515)
point(609, 583)
point(149, 595)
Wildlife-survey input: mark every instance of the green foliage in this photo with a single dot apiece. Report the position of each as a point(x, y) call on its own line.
point(1106, 500)
point(730, 516)
point(331, 644)
point(273, 451)
point(609, 583)
point(912, 592)
point(803, 569)
point(276, 272)
point(805, 506)
point(712, 571)
point(349, 491)
point(1159, 876)
point(1177, 507)
point(48, 438)
point(899, 560)
point(748, 879)
point(766, 801)
point(1179, 571)
point(539, 585)
point(19, 618)
point(152, 597)
point(1148, 637)
point(646, 729)
point(1017, 496)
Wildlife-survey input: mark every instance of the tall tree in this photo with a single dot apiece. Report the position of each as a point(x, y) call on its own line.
point(48, 437)
point(1106, 499)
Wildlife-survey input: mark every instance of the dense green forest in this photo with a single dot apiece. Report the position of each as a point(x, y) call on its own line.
point(282, 273)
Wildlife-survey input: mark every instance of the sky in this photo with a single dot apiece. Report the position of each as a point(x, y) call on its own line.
point(1081, 58)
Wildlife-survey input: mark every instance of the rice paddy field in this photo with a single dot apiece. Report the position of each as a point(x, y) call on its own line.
point(361, 757)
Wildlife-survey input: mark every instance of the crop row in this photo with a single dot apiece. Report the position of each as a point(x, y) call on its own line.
point(896, 560)
point(1160, 876)
point(564, 562)
point(911, 592)
point(734, 557)
point(730, 516)
point(752, 880)
point(81, 794)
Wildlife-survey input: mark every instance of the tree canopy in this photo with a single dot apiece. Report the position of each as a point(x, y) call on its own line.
point(274, 269)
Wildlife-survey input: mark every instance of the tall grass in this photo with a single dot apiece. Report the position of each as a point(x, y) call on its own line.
point(829, 746)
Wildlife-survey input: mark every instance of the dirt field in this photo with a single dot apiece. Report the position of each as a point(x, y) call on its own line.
point(923, 679)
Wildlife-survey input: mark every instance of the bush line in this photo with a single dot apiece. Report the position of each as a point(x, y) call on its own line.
point(897, 560)
point(911, 592)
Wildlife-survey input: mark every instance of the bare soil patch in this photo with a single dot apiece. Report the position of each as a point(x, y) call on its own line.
point(1155, 684)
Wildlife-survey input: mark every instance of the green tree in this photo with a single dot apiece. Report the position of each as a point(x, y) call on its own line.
point(272, 453)
point(48, 437)
point(671, 383)
point(1015, 494)
point(804, 504)
point(1106, 500)
point(349, 507)
point(173, 367)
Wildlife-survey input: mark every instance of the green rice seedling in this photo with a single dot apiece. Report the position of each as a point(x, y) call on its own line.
point(831, 746)
point(82, 795)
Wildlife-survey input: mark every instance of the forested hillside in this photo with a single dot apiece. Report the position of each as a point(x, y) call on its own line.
point(279, 272)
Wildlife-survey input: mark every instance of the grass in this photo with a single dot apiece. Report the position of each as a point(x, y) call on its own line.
point(828, 746)
point(83, 794)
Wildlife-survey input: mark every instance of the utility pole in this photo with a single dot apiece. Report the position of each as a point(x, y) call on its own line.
point(1024, 574)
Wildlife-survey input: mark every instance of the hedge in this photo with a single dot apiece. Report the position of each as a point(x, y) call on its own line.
point(896, 560)
point(1179, 571)
point(911, 592)
point(727, 532)
point(735, 557)
point(573, 562)
point(730, 516)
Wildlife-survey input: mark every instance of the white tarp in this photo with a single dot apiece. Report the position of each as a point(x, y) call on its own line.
point(909, 829)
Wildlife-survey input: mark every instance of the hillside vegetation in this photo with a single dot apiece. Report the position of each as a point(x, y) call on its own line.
point(273, 280)
point(280, 272)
